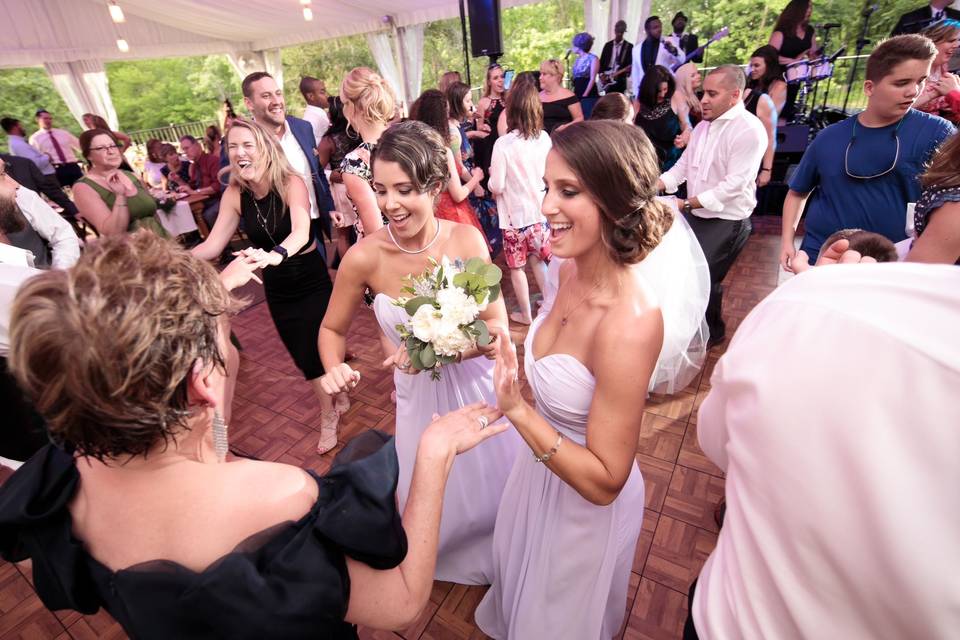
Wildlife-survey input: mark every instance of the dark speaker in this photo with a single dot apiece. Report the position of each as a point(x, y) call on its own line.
point(793, 138)
point(485, 37)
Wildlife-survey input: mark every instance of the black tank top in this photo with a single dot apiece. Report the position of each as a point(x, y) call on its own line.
point(266, 221)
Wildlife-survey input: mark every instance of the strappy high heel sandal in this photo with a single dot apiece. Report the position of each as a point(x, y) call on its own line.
point(329, 423)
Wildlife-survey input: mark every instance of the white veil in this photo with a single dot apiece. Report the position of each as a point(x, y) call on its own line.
point(678, 274)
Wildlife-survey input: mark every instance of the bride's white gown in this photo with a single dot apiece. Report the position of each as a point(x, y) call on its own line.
point(476, 482)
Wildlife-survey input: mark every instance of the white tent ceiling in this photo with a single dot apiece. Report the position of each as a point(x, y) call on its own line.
point(43, 31)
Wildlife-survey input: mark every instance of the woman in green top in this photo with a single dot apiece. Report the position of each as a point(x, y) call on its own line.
point(112, 200)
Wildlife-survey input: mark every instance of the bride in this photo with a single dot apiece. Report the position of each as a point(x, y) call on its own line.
point(409, 170)
point(568, 524)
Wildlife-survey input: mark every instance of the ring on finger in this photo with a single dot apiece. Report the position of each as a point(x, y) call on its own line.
point(484, 421)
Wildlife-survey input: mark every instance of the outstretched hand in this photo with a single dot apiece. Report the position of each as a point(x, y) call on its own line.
point(506, 376)
point(837, 253)
point(463, 429)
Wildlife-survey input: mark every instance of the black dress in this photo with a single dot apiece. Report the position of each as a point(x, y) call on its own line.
point(557, 113)
point(483, 147)
point(791, 47)
point(662, 127)
point(298, 289)
point(289, 581)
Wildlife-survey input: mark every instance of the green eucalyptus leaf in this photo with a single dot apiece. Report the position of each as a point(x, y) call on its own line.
point(483, 333)
point(475, 265)
point(494, 293)
point(427, 357)
point(492, 275)
point(415, 360)
point(462, 280)
point(415, 303)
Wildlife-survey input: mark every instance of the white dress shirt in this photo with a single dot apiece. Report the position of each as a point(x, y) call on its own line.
point(41, 141)
point(516, 178)
point(834, 414)
point(720, 165)
point(300, 164)
point(664, 59)
point(13, 273)
point(50, 226)
point(318, 119)
point(21, 148)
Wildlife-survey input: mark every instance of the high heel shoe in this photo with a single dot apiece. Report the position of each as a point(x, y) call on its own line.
point(341, 403)
point(329, 423)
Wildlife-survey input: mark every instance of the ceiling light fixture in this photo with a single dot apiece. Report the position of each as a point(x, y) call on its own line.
point(116, 13)
point(305, 2)
point(122, 45)
point(307, 14)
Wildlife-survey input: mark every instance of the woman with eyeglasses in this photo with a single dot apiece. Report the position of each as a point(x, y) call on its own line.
point(560, 105)
point(112, 200)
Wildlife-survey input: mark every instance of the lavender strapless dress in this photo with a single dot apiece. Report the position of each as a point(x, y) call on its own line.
point(476, 482)
point(561, 564)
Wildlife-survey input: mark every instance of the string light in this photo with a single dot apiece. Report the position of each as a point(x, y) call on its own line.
point(116, 13)
point(307, 14)
point(122, 45)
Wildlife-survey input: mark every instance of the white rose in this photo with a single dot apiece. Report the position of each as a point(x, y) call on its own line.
point(425, 322)
point(451, 341)
point(457, 306)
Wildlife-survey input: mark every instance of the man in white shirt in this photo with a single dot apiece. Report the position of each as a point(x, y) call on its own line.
point(314, 93)
point(27, 222)
point(720, 168)
point(831, 414)
point(653, 51)
point(60, 146)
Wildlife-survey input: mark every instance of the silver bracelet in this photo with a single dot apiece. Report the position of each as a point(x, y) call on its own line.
point(549, 454)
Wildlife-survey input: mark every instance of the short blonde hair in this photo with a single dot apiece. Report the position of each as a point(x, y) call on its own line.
point(555, 67)
point(371, 96)
point(105, 349)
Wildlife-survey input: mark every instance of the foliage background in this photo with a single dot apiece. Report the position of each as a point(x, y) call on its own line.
point(156, 93)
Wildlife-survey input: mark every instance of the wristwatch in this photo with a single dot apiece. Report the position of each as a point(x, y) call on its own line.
point(283, 252)
point(686, 208)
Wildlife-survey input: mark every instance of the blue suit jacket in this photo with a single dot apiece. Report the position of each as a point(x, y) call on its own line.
point(303, 132)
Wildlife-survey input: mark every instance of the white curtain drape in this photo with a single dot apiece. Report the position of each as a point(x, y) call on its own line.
point(246, 62)
point(410, 39)
point(596, 15)
point(381, 46)
point(83, 86)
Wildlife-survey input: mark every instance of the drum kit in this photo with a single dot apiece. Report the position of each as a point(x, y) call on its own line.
point(808, 74)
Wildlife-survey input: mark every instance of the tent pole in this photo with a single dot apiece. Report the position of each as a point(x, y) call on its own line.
point(463, 31)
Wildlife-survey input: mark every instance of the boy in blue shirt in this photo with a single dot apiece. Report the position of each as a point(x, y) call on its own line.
point(867, 167)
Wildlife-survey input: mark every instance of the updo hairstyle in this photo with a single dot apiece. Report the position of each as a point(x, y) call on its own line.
point(372, 97)
point(420, 152)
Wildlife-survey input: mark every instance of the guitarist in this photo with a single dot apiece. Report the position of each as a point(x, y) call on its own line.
point(653, 51)
point(685, 42)
point(615, 60)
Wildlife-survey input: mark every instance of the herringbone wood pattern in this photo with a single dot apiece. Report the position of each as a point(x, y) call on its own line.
point(275, 417)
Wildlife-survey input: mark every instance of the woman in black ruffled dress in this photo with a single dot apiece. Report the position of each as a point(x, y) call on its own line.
point(135, 509)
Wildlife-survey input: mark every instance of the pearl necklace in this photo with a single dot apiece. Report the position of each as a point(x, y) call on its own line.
point(429, 244)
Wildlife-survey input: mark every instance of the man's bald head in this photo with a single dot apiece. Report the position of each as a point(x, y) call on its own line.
point(731, 76)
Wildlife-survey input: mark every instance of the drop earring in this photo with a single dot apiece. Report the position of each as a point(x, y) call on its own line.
point(220, 442)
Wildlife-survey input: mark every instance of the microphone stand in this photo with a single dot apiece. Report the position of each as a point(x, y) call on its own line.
point(861, 43)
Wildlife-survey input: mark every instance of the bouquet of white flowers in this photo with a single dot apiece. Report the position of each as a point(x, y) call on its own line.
point(444, 304)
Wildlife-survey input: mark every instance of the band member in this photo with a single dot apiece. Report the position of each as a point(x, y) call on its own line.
point(686, 42)
point(615, 60)
point(653, 51)
point(919, 19)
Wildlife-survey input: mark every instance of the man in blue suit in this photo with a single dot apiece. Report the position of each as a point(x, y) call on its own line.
point(264, 99)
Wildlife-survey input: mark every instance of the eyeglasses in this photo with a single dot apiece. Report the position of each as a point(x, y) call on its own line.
point(109, 147)
point(853, 138)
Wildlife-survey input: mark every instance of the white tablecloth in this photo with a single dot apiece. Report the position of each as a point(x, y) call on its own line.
point(179, 220)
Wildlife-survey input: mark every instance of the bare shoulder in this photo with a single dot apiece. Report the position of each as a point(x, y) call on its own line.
point(364, 256)
point(636, 308)
point(467, 240)
point(274, 492)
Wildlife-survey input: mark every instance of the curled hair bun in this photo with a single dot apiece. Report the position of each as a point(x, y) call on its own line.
point(371, 95)
point(622, 183)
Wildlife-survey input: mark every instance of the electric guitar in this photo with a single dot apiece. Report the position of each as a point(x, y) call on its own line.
point(719, 35)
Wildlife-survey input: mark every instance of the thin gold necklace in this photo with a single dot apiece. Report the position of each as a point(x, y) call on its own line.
point(570, 310)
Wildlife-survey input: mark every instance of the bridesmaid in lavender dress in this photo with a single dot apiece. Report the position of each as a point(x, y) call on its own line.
point(410, 166)
point(571, 513)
